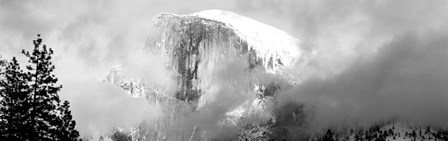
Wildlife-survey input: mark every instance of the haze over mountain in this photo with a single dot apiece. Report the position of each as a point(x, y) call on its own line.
point(355, 62)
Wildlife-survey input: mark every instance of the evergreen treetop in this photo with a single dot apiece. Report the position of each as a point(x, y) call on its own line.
point(30, 105)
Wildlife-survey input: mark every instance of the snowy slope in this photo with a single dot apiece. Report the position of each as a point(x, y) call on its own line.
point(232, 31)
point(266, 40)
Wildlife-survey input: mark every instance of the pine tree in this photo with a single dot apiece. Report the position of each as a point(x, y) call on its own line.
point(13, 92)
point(66, 128)
point(32, 98)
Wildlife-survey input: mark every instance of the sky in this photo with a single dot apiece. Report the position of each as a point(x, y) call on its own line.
point(373, 47)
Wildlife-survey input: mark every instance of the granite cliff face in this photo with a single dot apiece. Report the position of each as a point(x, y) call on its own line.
point(198, 44)
point(199, 47)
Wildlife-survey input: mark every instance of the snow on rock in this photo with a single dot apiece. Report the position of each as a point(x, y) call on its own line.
point(228, 31)
point(134, 87)
point(198, 45)
point(266, 40)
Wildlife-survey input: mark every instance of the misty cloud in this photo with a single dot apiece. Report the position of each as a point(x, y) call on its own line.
point(228, 91)
point(380, 59)
point(89, 37)
point(405, 80)
point(100, 107)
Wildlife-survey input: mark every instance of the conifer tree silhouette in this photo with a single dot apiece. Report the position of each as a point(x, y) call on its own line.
point(31, 108)
point(14, 107)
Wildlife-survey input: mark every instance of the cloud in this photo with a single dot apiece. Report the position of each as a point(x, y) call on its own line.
point(89, 37)
point(375, 60)
point(98, 108)
point(405, 80)
point(229, 88)
point(342, 31)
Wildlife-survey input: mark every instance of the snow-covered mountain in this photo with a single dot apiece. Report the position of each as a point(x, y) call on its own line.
point(199, 44)
point(196, 43)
